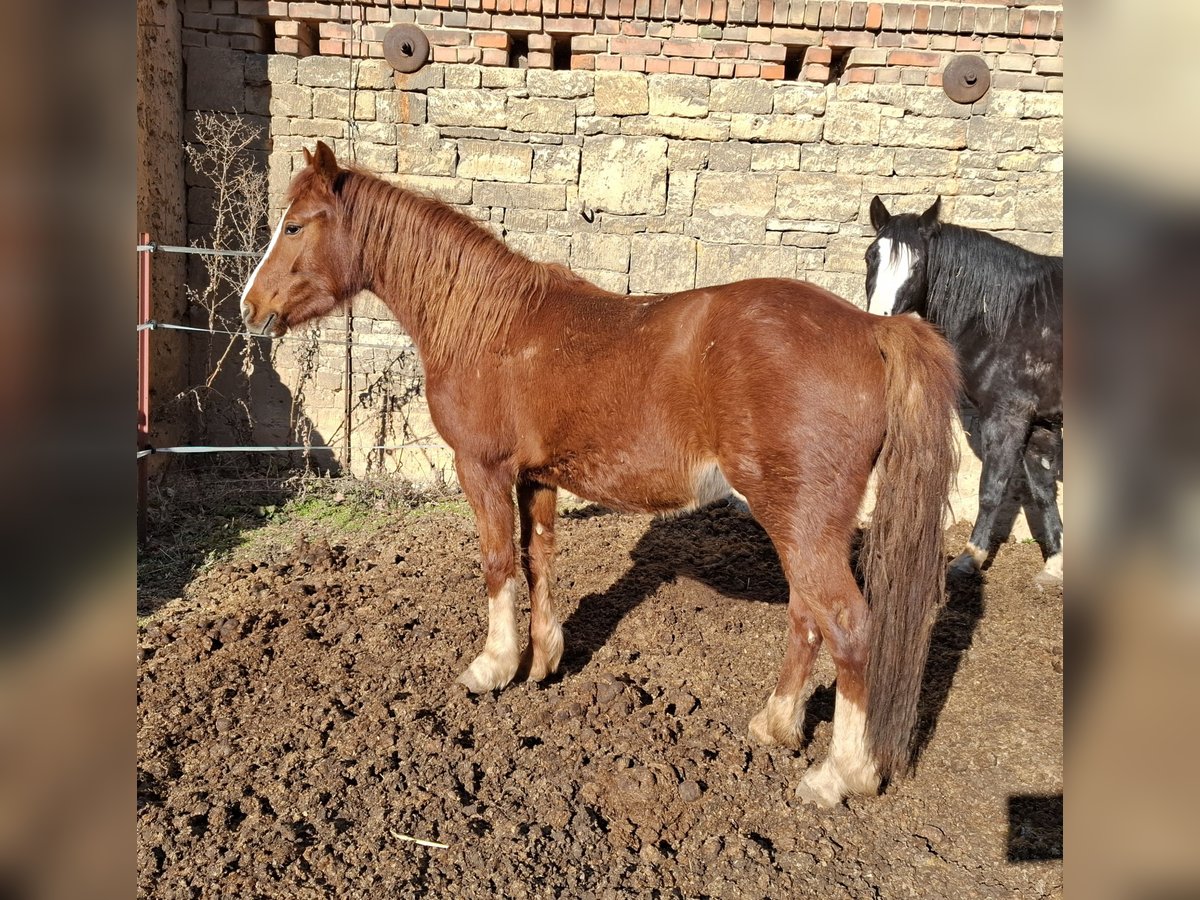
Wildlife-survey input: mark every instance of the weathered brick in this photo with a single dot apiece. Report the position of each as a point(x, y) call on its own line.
point(798, 128)
point(661, 262)
point(999, 135)
point(615, 282)
point(377, 158)
point(734, 194)
point(215, 80)
point(565, 85)
point(852, 123)
point(678, 95)
point(1043, 106)
point(865, 160)
point(433, 76)
point(281, 69)
point(494, 161)
point(542, 116)
point(291, 100)
point(742, 96)
point(723, 264)
point(624, 175)
point(549, 248)
point(918, 131)
point(800, 99)
point(774, 157)
point(426, 158)
point(555, 165)
point(818, 195)
point(609, 252)
point(621, 94)
point(322, 71)
point(450, 190)
point(925, 162)
point(449, 106)
point(988, 213)
point(330, 103)
point(523, 196)
point(707, 129)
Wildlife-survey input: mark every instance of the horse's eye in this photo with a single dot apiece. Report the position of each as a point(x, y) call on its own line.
point(292, 229)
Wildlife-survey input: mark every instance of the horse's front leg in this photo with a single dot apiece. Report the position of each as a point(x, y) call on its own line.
point(536, 506)
point(489, 491)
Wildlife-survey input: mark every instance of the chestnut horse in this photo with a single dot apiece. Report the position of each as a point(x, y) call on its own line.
point(774, 389)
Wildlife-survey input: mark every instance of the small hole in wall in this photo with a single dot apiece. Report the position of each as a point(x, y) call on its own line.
point(518, 51)
point(793, 62)
point(837, 65)
point(267, 42)
point(561, 48)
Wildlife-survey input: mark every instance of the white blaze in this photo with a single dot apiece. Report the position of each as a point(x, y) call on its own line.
point(895, 266)
point(266, 253)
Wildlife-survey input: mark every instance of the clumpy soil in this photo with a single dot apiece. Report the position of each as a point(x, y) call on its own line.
point(298, 717)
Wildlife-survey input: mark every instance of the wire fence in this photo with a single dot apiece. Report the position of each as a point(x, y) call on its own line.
point(307, 339)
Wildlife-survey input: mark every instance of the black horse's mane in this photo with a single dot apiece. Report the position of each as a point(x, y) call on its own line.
point(975, 275)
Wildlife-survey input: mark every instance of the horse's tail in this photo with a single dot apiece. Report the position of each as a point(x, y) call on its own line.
point(902, 559)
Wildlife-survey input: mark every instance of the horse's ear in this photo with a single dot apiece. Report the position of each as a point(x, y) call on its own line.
point(324, 162)
point(879, 214)
point(929, 219)
point(308, 157)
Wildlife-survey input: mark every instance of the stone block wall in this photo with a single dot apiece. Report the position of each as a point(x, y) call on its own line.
point(645, 178)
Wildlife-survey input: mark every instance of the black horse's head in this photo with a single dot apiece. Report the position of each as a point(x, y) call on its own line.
point(897, 278)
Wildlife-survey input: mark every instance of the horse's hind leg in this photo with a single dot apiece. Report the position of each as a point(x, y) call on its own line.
point(1042, 454)
point(1004, 435)
point(536, 505)
point(489, 491)
point(779, 721)
point(842, 617)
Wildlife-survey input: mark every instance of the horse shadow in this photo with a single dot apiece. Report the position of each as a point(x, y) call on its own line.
point(723, 548)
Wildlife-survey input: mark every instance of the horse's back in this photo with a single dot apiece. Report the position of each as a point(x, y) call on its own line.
point(790, 379)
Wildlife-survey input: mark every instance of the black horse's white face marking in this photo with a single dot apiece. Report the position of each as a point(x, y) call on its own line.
point(890, 265)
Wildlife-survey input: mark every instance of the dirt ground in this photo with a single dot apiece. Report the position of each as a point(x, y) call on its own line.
point(298, 717)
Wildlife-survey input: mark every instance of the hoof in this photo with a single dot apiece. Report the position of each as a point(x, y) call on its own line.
point(963, 567)
point(1052, 575)
point(764, 729)
point(821, 786)
point(487, 673)
point(540, 662)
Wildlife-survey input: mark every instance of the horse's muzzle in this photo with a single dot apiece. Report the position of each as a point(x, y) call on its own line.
point(265, 328)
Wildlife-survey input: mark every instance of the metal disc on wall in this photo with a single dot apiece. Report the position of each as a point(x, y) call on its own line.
point(406, 48)
point(966, 79)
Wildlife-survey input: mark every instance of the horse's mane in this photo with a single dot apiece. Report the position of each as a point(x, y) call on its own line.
point(468, 287)
point(976, 275)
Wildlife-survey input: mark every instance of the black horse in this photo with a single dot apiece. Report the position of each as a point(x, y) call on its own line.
point(1001, 308)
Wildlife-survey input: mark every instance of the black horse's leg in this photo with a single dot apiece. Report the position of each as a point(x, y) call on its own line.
point(1042, 456)
point(1003, 433)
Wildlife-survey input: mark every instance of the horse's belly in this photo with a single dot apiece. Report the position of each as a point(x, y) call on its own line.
point(622, 486)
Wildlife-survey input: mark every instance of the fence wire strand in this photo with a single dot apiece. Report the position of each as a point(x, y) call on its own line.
point(155, 247)
point(154, 325)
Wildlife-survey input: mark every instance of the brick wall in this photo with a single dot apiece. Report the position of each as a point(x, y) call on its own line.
point(654, 158)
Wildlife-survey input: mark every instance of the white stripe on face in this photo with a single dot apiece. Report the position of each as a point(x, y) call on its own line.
point(258, 268)
point(895, 267)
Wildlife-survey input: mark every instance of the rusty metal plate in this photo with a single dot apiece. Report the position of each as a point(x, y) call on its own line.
point(406, 48)
point(966, 79)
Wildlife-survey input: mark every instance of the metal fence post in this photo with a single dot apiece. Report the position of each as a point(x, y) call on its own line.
point(143, 387)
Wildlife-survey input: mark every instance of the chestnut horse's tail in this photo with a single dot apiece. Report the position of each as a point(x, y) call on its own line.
point(902, 558)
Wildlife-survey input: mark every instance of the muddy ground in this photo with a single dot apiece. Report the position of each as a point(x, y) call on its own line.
point(298, 716)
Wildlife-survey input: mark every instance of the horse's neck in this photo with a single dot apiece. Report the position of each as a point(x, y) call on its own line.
point(460, 293)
